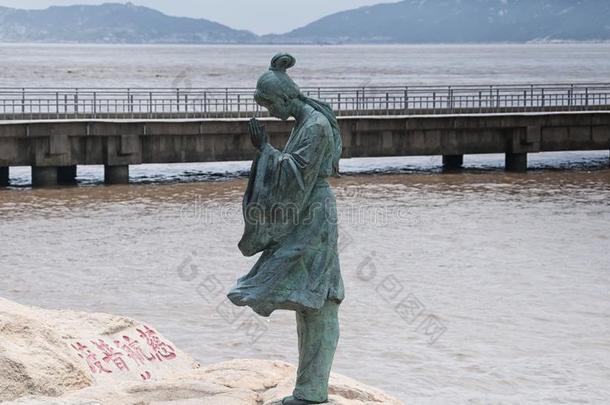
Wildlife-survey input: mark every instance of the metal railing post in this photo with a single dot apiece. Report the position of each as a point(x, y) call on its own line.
point(76, 103)
point(387, 103)
point(587, 97)
point(364, 103)
point(451, 101)
point(449, 105)
point(226, 100)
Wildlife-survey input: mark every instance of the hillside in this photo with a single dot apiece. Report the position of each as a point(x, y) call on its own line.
point(460, 21)
point(408, 21)
point(111, 23)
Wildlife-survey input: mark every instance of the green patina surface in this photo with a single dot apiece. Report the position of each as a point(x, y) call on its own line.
point(290, 216)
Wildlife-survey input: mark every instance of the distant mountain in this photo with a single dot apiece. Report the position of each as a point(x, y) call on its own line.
point(112, 23)
point(408, 21)
point(460, 21)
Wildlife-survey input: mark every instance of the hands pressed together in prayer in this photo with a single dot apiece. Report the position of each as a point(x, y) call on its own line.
point(258, 135)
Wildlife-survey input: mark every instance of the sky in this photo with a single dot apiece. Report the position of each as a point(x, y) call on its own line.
point(258, 16)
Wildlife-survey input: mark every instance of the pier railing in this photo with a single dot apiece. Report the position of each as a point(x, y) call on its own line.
point(164, 103)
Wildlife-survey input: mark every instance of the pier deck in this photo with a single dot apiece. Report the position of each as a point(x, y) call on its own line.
point(54, 148)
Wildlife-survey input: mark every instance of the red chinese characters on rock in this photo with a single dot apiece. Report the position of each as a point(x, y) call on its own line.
point(102, 358)
point(162, 350)
point(133, 350)
point(94, 364)
point(110, 355)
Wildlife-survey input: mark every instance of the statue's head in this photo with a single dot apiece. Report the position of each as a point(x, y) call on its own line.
point(275, 90)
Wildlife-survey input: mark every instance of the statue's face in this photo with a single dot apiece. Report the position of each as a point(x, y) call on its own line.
point(277, 107)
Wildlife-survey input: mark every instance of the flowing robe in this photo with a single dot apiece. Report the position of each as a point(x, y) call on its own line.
point(290, 216)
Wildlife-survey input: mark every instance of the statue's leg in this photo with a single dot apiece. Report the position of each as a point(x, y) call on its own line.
point(318, 333)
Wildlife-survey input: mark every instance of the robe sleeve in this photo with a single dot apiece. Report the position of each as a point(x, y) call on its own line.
point(279, 188)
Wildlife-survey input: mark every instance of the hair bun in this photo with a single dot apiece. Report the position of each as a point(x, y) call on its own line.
point(282, 62)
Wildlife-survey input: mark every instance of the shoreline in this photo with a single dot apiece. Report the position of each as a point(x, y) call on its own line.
point(223, 172)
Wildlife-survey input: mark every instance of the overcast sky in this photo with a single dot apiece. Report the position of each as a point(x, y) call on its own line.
point(259, 16)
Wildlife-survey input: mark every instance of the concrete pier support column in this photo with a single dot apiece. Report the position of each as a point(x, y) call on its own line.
point(452, 162)
point(516, 162)
point(4, 176)
point(44, 176)
point(66, 175)
point(116, 174)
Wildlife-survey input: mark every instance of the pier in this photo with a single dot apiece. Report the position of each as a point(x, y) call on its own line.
point(55, 138)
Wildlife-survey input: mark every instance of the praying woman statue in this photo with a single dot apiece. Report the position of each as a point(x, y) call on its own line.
point(290, 216)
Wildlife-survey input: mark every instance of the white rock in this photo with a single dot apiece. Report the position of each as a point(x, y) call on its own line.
point(42, 361)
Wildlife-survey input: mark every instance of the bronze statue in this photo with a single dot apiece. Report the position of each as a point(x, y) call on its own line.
point(291, 217)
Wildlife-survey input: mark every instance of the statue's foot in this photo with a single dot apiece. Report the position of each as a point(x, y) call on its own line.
point(294, 401)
